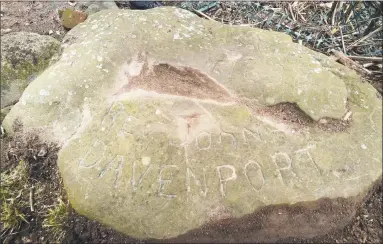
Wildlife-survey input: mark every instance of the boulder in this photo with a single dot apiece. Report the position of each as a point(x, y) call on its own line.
point(23, 56)
point(96, 6)
point(181, 129)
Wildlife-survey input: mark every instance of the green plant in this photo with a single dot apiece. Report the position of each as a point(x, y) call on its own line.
point(12, 185)
point(56, 218)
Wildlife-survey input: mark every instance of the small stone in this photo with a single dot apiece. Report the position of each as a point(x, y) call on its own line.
point(26, 239)
point(72, 3)
point(50, 32)
point(3, 10)
point(70, 18)
point(43, 151)
point(5, 31)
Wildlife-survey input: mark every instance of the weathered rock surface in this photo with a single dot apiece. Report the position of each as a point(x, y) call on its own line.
point(174, 127)
point(96, 6)
point(23, 56)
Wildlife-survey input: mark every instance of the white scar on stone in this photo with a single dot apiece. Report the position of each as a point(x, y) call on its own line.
point(146, 161)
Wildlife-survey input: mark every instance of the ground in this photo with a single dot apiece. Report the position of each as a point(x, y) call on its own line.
point(34, 206)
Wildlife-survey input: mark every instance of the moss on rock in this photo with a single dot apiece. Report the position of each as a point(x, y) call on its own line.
point(23, 56)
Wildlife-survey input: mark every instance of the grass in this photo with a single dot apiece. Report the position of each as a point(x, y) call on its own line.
point(27, 198)
point(12, 188)
point(56, 218)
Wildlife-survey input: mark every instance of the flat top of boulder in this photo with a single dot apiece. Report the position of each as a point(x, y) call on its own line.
point(169, 121)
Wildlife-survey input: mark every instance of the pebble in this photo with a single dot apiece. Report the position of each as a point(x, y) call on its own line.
point(5, 31)
point(42, 152)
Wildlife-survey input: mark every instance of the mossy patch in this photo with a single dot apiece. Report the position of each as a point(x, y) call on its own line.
point(23, 57)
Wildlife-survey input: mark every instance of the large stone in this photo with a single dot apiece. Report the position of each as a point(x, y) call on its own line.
point(23, 56)
point(182, 129)
point(97, 6)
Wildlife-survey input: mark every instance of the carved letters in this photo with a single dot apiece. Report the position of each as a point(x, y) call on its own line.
point(133, 181)
point(201, 185)
point(198, 181)
point(94, 155)
point(223, 179)
point(254, 175)
point(114, 165)
point(203, 140)
point(283, 163)
point(162, 182)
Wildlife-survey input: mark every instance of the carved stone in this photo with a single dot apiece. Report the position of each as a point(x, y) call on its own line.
point(181, 129)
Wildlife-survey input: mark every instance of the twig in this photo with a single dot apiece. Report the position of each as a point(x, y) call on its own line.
point(363, 58)
point(333, 12)
point(350, 63)
point(349, 12)
point(202, 14)
point(365, 37)
point(347, 116)
point(368, 65)
point(31, 199)
point(291, 12)
point(303, 18)
point(341, 36)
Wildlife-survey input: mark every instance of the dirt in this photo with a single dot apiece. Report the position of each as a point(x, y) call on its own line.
point(33, 16)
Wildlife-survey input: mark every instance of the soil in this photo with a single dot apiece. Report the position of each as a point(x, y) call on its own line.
point(42, 18)
point(34, 16)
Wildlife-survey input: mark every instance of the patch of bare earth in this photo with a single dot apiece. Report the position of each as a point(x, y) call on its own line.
point(34, 16)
